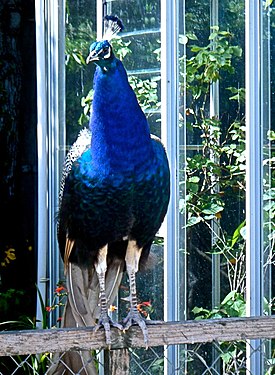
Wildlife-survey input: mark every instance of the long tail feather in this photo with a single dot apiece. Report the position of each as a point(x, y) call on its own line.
point(82, 309)
point(77, 285)
point(68, 249)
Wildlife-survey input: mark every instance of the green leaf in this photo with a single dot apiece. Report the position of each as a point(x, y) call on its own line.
point(271, 135)
point(213, 35)
point(269, 206)
point(77, 58)
point(215, 28)
point(229, 297)
point(197, 310)
point(212, 209)
point(237, 51)
point(237, 234)
point(191, 36)
point(228, 356)
point(193, 220)
point(267, 3)
point(209, 217)
point(194, 179)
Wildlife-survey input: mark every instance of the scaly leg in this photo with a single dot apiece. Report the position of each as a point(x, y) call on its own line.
point(133, 254)
point(104, 319)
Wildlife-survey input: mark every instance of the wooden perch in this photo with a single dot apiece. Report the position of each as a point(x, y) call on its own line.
point(171, 333)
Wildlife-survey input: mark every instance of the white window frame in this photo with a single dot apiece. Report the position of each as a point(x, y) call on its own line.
point(50, 55)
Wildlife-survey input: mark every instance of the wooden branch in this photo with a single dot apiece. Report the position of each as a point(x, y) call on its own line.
point(171, 333)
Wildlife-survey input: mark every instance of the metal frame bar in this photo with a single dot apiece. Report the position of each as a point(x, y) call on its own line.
point(254, 220)
point(42, 119)
point(170, 138)
point(214, 113)
point(50, 41)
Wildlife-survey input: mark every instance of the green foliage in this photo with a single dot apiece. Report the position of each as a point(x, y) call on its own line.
point(146, 91)
point(86, 104)
point(214, 177)
point(157, 367)
point(218, 170)
point(77, 45)
point(209, 62)
point(121, 47)
point(11, 300)
point(233, 305)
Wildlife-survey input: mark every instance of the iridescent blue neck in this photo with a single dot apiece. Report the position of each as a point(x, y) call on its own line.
point(120, 132)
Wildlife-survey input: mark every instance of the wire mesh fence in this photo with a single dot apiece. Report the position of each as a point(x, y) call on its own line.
point(203, 359)
point(201, 350)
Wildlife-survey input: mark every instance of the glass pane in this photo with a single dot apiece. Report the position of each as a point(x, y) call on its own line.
point(212, 191)
point(80, 32)
point(215, 150)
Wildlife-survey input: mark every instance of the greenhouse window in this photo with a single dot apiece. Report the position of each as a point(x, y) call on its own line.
point(204, 76)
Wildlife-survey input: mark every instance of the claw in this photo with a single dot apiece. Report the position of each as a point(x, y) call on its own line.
point(106, 322)
point(134, 317)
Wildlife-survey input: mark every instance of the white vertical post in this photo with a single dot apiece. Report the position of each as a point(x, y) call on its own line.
point(99, 19)
point(214, 113)
point(169, 134)
point(254, 222)
point(52, 102)
point(56, 129)
point(42, 150)
point(50, 41)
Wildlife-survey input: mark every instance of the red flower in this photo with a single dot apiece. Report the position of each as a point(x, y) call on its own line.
point(48, 308)
point(59, 289)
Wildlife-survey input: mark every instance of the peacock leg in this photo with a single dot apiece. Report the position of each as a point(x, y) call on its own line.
point(132, 261)
point(104, 319)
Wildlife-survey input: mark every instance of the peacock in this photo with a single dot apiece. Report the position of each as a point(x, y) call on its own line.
point(114, 196)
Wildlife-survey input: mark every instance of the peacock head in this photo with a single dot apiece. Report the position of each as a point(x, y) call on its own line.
point(101, 52)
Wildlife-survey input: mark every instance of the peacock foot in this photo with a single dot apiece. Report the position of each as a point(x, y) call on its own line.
point(135, 317)
point(106, 322)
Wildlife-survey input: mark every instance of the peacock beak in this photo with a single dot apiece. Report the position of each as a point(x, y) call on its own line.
point(92, 57)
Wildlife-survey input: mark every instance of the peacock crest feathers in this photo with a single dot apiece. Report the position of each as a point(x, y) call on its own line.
point(112, 26)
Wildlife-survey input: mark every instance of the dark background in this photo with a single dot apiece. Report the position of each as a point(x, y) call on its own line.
point(18, 158)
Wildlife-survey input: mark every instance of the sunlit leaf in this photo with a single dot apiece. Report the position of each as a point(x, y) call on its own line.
point(193, 220)
point(237, 234)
